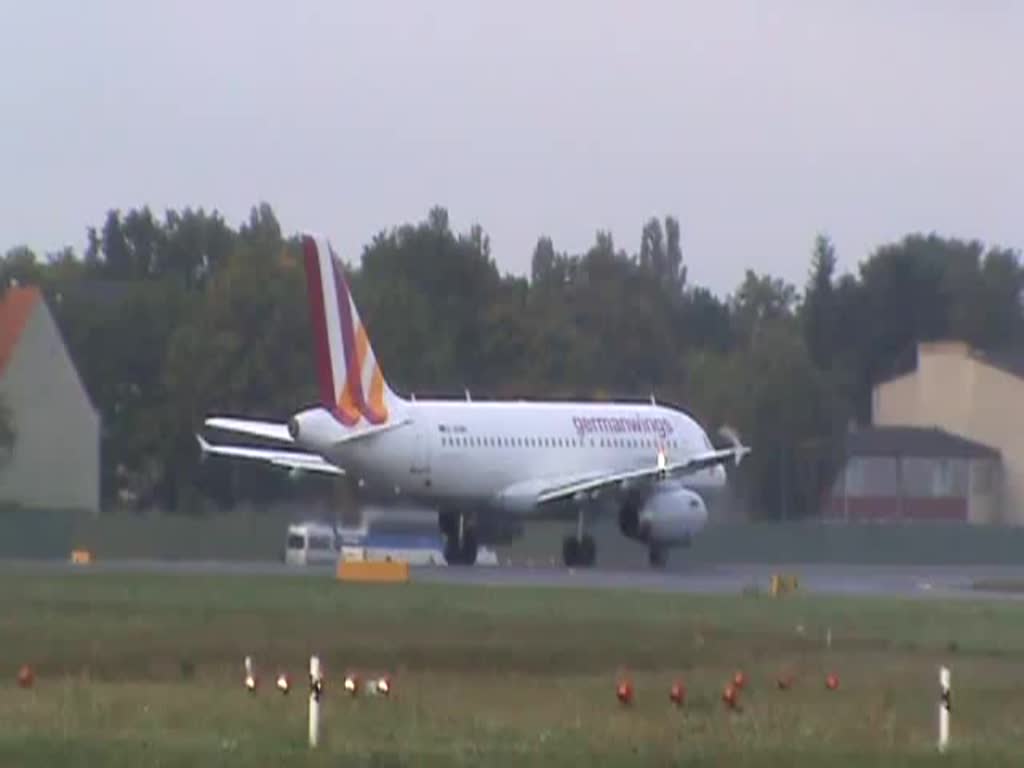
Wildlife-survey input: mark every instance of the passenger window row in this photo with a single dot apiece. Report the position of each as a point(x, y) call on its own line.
point(548, 442)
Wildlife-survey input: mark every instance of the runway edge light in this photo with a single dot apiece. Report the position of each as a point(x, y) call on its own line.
point(730, 696)
point(352, 683)
point(677, 693)
point(26, 676)
point(624, 690)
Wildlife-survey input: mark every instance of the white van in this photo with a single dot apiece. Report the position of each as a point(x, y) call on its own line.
point(310, 544)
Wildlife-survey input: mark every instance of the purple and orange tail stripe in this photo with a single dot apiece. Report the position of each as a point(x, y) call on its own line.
point(351, 382)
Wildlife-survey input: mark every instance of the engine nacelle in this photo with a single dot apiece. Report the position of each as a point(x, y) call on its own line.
point(668, 518)
point(314, 428)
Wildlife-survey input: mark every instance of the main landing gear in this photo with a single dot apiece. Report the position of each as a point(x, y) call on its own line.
point(460, 544)
point(581, 549)
point(579, 552)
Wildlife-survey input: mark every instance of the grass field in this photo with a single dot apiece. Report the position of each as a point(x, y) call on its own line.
point(146, 670)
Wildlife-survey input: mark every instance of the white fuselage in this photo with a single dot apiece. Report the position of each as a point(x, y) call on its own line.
point(497, 455)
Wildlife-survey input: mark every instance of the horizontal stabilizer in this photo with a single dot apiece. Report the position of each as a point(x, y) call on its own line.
point(305, 462)
point(266, 429)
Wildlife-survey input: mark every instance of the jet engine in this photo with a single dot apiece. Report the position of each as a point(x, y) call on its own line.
point(669, 517)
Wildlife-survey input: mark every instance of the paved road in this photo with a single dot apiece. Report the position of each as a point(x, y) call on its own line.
point(905, 581)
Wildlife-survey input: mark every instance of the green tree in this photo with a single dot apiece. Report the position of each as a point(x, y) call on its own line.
point(194, 244)
point(244, 349)
point(661, 254)
point(675, 270)
point(546, 267)
point(703, 321)
point(817, 313)
point(20, 266)
point(1002, 281)
point(505, 354)
point(113, 253)
point(652, 248)
point(781, 404)
point(445, 285)
point(924, 288)
point(761, 300)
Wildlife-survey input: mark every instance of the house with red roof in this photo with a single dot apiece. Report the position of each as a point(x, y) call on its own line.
point(55, 462)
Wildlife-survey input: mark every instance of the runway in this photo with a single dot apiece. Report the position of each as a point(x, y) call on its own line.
point(917, 581)
point(926, 581)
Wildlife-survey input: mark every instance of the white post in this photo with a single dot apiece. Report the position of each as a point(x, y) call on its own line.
point(250, 677)
point(945, 703)
point(315, 692)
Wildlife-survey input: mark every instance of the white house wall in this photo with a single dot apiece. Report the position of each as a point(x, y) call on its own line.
point(56, 460)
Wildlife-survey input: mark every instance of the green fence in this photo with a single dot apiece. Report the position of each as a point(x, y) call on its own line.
point(53, 534)
point(50, 534)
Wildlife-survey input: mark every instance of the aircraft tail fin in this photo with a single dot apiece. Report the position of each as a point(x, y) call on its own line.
point(352, 385)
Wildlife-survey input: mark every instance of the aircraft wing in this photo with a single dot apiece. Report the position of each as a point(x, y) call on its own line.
point(306, 462)
point(266, 429)
point(677, 469)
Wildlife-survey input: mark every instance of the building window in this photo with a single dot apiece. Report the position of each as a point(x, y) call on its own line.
point(950, 478)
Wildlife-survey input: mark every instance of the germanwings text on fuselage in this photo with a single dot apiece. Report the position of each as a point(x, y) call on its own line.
point(621, 425)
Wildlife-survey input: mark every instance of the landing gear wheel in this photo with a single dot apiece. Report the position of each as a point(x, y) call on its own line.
point(452, 551)
point(448, 522)
point(461, 553)
point(469, 548)
point(587, 551)
point(570, 551)
point(657, 557)
point(460, 544)
point(581, 552)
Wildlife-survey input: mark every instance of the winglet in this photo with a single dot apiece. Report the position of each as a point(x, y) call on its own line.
point(204, 447)
point(733, 437)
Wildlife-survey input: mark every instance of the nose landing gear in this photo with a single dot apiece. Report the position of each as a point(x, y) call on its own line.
point(657, 557)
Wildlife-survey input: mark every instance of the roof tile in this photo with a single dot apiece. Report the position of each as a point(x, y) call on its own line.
point(15, 310)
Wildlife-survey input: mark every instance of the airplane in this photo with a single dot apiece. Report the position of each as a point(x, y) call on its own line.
point(479, 463)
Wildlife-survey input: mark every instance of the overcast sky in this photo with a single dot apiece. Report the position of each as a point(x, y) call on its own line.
point(757, 124)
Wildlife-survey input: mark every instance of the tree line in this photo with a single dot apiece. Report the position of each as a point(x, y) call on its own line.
point(170, 319)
